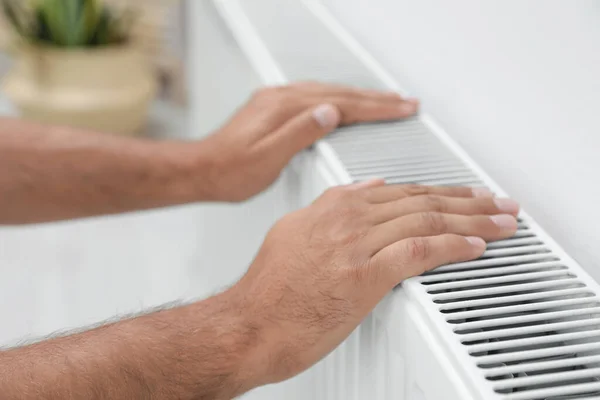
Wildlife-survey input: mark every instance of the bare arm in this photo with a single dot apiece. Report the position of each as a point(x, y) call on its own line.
point(320, 271)
point(51, 173)
point(200, 351)
point(54, 173)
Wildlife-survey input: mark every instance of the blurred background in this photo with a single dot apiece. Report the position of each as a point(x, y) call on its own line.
point(160, 85)
point(121, 58)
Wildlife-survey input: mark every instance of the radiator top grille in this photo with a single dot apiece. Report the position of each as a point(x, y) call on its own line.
point(529, 324)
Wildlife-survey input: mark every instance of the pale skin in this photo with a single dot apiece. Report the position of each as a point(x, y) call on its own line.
point(319, 272)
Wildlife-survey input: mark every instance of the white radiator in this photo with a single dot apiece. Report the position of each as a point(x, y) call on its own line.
point(522, 322)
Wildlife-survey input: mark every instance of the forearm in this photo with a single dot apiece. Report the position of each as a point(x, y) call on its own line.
point(52, 173)
point(200, 351)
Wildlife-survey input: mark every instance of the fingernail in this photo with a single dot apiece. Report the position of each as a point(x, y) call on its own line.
point(482, 192)
point(412, 101)
point(326, 115)
point(476, 241)
point(505, 222)
point(507, 206)
point(407, 108)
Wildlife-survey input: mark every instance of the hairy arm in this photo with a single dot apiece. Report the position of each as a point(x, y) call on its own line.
point(199, 351)
point(53, 173)
point(319, 272)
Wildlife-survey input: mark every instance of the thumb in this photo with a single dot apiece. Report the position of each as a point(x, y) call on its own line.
point(304, 129)
point(327, 116)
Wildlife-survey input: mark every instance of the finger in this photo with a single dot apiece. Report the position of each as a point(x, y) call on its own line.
point(301, 131)
point(331, 89)
point(352, 110)
point(414, 256)
point(449, 205)
point(396, 192)
point(368, 110)
point(490, 228)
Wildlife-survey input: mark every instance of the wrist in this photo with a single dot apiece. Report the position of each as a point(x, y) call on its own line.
point(251, 358)
point(207, 166)
point(267, 361)
point(195, 167)
point(235, 339)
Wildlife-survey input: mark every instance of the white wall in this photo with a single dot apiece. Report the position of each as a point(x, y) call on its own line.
point(517, 84)
point(219, 76)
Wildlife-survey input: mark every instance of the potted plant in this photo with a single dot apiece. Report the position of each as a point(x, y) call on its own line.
point(75, 65)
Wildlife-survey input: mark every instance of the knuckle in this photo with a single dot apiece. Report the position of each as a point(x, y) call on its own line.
point(487, 205)
point(414, 190)
point(344, 213)
point(343, 205)
point(346, 192)
point(343, 234)
point(361, 272)
point(434, 221)
point(349, 211)
point(333, 193)
point(434, 203)
point(481, 224)
point(417, 249)
point(341, 193)
point(346, 226)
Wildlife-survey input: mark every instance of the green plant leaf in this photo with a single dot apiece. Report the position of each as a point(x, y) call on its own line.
point(68, 23)
point(100, 36)
point(55, 19)
point(42, 32)
point(72, 9)
point(90, 14)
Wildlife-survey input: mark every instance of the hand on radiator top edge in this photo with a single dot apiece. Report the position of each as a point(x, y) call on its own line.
point(55, 173)
point(323, 268)
point(319, 272)
point(278, 122)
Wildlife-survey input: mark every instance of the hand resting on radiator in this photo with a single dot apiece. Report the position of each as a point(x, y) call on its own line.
point(322, 269)
point(319, 272)
point(278, 122)
point(50, 173)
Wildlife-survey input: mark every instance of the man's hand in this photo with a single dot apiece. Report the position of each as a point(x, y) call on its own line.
point(53, 173)
point(322, 269)
point(252, 149)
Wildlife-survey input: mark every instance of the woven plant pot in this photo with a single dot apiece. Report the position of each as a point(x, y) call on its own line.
point(105, 89)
